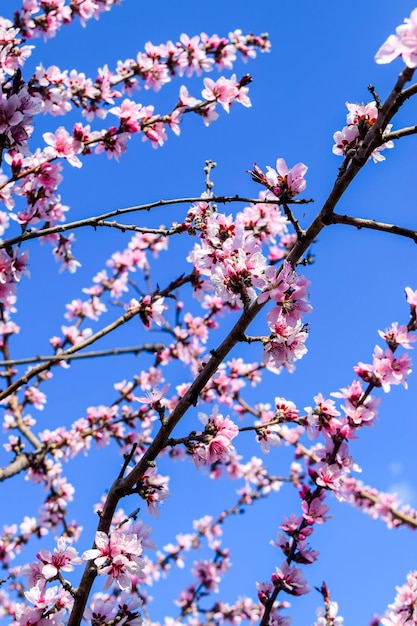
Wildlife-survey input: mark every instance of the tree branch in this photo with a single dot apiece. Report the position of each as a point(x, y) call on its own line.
point(69, 352)
point(402, 132)
point(359, 223)
point(98, 220)
point(136, 350)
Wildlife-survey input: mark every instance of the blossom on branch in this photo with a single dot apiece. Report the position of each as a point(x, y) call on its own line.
point(218, 434)
point(283, 183)
point(360, 119)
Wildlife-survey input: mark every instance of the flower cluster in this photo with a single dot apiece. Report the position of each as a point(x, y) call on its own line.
point(43, 19)
point(330, 465)
point(360, 119)
point(117, 556)
point(12, 266)
point(404, 608)
point(154, 67)
point(218, 434)
point(288, 334)
point(33, 177)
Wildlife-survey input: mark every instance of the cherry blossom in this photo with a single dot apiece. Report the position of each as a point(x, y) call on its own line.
point(404, 43)
point(360, 119)
point(282, 182)
point(219, 431)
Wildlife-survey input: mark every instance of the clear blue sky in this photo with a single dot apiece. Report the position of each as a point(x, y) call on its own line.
point(322, 55)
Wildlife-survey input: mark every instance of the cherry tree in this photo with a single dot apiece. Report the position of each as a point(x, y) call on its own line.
point(209, 338)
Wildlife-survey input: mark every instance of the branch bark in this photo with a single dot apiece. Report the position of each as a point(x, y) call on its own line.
point(359, 223)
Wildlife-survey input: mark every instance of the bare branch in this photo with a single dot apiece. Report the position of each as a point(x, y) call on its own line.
point(132, 312)
point(136, 350)
point(359, 223)
point(291, 218)
point(402, 132)
point(98, 220)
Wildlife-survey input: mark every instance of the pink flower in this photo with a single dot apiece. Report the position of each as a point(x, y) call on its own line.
point(403, 611)
point(63, 559)
point(362, 112)
point(151, 310)
point(345, 139)
point(314, 512)
point(284, 346)
point(267, 437)
point(223, 91)
point(286, 183)
point(219, 433)
point(404, 43)
point(411, 297)
point(63, 145)
point(185, 100)
point(117, 555)
point(155, 397)
point(129, 114)
point(290, 579)
point(395, 336)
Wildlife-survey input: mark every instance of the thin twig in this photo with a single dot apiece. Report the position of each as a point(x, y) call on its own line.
point(32, 373)
point(291, 218)
point(146, 347)
point(94, 221)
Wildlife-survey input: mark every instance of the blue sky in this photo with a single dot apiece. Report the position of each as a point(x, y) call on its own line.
point(322, 55)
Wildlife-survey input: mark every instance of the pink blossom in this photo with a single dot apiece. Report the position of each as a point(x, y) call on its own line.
point(219, 432)
point(362, 112)
point(62, 145)
point(154, 489)
point(63, 559)
point(314, 512)
point(267, 437)
point(403, 611)
point(185, 100)
point(151, 310)
point(155, 397)
point(285, 346)
point(290, 579)
point(328, 476)
point(398, 336)
point(223, 91)
point(404, 43)
point(345, 139)
point(117, 555)
point(411, 296)
point(128, 113)
point(289, 182)
point(360, 119)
